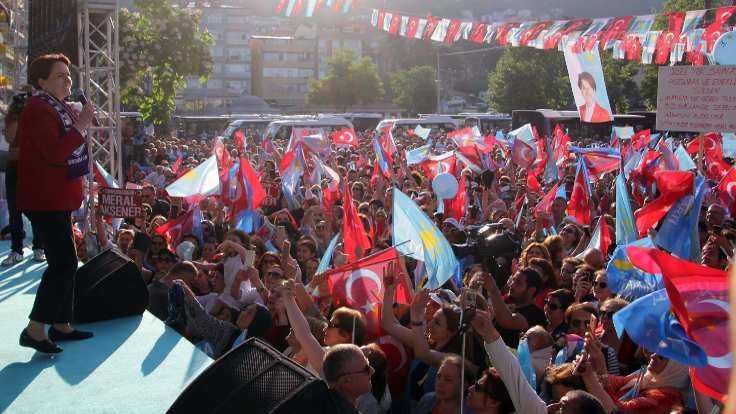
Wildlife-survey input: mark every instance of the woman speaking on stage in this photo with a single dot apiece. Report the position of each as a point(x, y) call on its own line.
point(52, 163)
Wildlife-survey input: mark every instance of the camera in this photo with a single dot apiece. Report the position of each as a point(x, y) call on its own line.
point(493, 246)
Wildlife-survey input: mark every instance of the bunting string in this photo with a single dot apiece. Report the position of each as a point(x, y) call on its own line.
point(689, 36)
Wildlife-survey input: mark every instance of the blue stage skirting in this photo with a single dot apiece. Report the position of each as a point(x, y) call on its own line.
point(132, 365)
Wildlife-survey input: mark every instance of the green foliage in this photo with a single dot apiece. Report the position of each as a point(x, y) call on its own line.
point(619, 76)
point(349, 81)
point(414, 89)
point(649, 83)
point(161, 46)
point(527, 78)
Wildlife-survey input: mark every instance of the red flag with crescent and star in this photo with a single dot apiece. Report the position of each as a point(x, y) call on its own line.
point(359, 286)
point(522, 154)
point(699, 298)
point(355, 238)
point(727, 190)
point(478, 33)
point(345, 137)
point(580, 203)
point(669, 37)
point(223, 165)
point(719, 26)
point(444, 163)
point(411, 31)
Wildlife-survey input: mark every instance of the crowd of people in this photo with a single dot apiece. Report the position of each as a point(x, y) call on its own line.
point(530, 332)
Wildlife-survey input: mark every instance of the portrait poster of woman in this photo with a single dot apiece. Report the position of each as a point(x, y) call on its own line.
point(588, 85)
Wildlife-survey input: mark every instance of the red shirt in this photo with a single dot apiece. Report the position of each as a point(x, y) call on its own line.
point(43, 183)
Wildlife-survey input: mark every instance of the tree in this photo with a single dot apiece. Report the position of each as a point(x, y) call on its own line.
point(160, 47)
point(349, 81)
point(620, 85)
point(651, 72)
point(527, 78)
point(414, 89)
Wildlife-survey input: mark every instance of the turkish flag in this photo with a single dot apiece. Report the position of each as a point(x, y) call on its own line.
point(522, 154)
point(223, 165)
point(712, 144)
point(297, 7)
point(503, 31)
point(280, 7)
point(394, 27)
point(669, 37)
point(360, 284)
point(532, 184)
point(457, 204)
point(545, 204)
point(580, 203)
point(174, 229)
point(553, 39)
point(713, 151)
point(345, 137)
point(355, 238)
point(177, 164)
point(727, 191)
point(478, 32)
point(452, 31)
point(399, 359)
point(616, 30)
point(673, 185)
point(532, 33)
point(699, 297)
point(632, 46)
point(286, 160)
point(437, 165)
point(641, 139)
point(432, 23)
point(411, 31)
point(719, 26)
point(239, 138)
point(605, 240)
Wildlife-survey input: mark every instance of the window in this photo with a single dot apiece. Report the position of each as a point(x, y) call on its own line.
point(236, 68)
point(288, 73)
point(218, 51)
point(214, 19)
point(214, 84)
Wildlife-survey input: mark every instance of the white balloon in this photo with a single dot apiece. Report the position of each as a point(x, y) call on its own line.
point(445, 185)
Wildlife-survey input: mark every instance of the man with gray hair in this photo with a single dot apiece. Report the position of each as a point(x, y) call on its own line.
point(348, 374)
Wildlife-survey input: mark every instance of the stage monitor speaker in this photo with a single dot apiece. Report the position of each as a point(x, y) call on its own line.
point(109, 286)
point(52, 28)
point(255, 378)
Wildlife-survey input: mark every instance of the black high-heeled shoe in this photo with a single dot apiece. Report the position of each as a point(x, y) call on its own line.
point(45, 346)
point(75, 335)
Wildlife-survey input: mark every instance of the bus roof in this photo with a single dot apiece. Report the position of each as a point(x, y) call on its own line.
point(570, 115)
point(325, 121)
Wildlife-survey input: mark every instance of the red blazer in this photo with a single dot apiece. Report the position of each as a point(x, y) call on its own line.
point(599, 114)
point(43, 183)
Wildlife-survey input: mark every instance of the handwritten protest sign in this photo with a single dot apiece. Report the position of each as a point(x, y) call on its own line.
point(697, 98)
point(119, 202)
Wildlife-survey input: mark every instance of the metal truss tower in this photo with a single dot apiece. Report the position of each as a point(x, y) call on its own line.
point(99, 77)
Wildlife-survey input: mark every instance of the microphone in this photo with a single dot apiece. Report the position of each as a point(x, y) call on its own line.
point(81, 97)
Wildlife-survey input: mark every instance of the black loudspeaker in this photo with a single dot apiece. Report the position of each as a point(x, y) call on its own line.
point(255, 378)
point(109, 286)
point(52, 28)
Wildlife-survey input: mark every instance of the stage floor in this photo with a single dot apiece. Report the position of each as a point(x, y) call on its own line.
point(132, 365)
